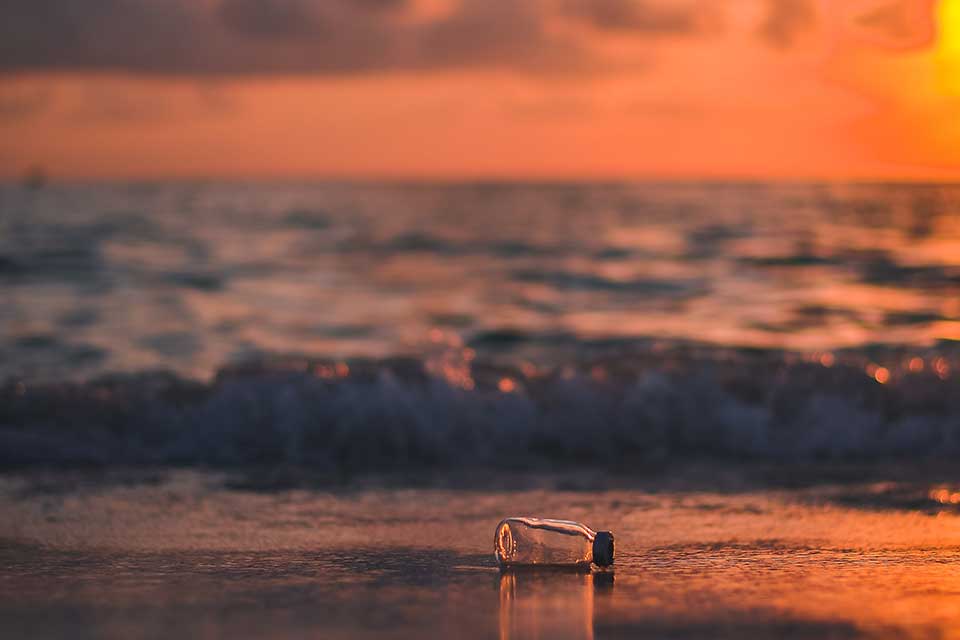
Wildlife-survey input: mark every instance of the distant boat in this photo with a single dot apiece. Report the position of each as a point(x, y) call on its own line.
point(35, 178)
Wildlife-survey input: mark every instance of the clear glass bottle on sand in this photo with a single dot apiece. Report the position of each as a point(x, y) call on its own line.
point(537, 541)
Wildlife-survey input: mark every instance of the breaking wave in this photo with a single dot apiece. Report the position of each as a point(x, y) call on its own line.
point(459, 411)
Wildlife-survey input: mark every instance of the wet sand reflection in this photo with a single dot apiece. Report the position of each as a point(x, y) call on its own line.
point(549, 603)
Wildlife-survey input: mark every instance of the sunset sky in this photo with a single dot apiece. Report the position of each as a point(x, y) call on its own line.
point(481, 88)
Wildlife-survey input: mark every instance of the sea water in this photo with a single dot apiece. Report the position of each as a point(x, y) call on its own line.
point(190, 276)
point(353, 326)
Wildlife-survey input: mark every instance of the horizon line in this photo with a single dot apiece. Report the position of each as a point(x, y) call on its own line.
point(48, 180)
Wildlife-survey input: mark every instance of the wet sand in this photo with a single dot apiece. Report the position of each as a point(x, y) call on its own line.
point(188, 554)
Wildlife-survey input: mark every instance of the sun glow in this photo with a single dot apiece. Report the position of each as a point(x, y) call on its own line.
point(948, 48)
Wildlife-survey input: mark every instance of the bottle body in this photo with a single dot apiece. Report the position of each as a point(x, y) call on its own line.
point(537, 541)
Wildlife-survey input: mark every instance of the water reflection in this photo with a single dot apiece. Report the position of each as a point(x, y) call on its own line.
point(538, 603)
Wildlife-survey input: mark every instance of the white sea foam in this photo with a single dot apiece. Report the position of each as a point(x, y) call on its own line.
point(397, 415)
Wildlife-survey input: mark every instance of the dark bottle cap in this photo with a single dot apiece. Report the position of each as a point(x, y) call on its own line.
point(603, 549)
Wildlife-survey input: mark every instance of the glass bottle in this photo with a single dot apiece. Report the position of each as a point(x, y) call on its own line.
point(537, 541)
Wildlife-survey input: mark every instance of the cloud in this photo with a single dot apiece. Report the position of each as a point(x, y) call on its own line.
point(892, 24)
point(786, 21)
point(106, 34)
point(646, 16)
point(485, 33)
point(242, 37)
point(299, 18)
point(901, 24)
point(277, 19)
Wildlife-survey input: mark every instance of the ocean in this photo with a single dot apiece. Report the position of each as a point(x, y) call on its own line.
point(358, 326)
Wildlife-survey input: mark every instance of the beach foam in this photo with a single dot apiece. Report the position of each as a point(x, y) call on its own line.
point(653, 404)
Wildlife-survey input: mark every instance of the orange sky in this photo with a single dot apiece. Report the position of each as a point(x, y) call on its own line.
point(483, 89)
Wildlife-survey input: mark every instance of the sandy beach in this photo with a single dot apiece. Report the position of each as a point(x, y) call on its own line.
point(180, 553)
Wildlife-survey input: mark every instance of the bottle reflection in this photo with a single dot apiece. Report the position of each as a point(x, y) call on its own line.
point(537, 603)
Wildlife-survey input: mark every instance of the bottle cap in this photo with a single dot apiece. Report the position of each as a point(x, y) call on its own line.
point(603, 549)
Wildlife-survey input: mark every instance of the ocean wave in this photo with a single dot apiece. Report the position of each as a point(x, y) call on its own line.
point(455, 410)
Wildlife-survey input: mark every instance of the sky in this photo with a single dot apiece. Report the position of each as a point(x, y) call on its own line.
point(481, 89)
